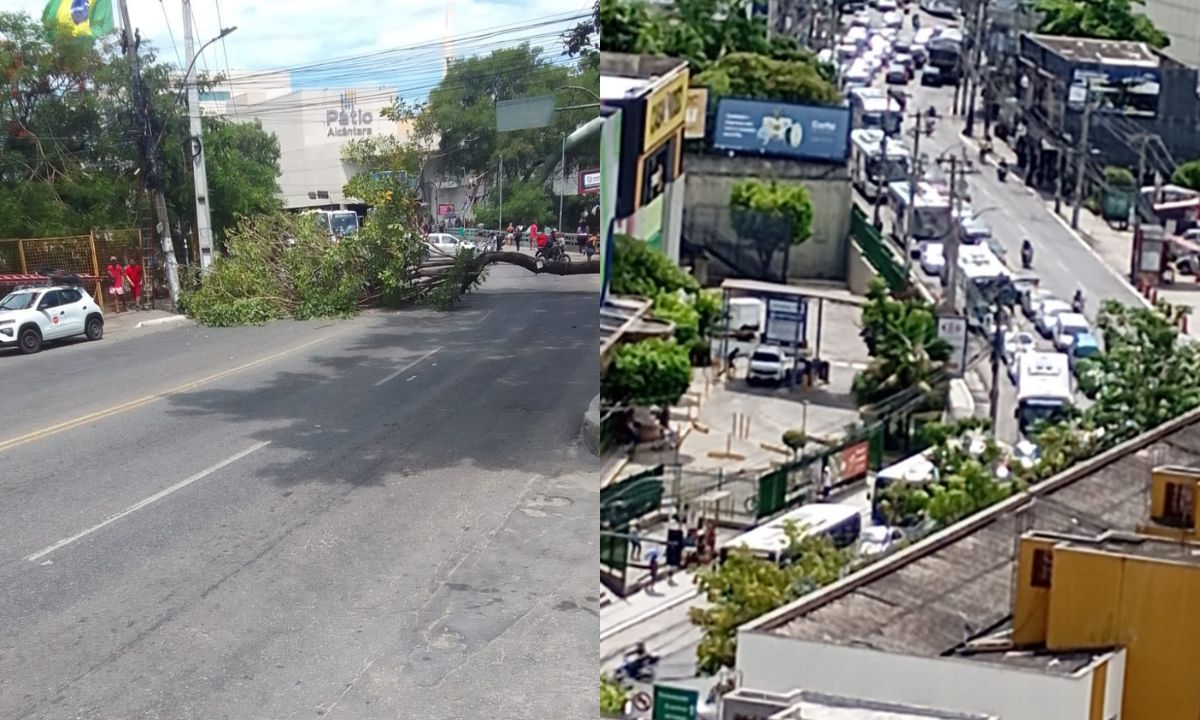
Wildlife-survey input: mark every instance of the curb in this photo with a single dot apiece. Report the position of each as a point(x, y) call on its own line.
point(160, 321)
point(657, 610)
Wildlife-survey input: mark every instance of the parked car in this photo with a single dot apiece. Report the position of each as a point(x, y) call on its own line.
point(1047, 312)
point(879, 540)
point(1068, 326)
point(768, 365)
point(447, 244)
point(896, 75)
point(31, 316)
point(933, 259)
point(1031, 298)
point(931, 77)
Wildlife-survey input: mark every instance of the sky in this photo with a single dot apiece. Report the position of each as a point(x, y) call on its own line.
point(273, 34)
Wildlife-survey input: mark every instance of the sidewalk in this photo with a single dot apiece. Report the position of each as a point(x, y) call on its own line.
point(140, 320)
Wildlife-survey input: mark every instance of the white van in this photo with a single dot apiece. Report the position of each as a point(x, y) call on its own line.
point(1068, 326)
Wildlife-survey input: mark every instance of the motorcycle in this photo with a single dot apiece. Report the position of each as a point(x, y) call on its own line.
point(553, 252)
point(1077, 303)
point(637, 669)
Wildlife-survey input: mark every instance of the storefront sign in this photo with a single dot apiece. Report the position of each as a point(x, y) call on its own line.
point(589, 182)
point(674, 703)
point(856, 461)
point(787, 321)
point(697, 113)
point(349, 121)
point(794, 131)
point(445, 209)
point(666, 109)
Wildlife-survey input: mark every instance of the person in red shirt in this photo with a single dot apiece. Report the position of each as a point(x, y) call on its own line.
point(133, 273)
point(533, 235)
point(116, 292)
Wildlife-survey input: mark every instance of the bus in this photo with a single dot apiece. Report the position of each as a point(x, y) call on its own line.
point(915, 470)
point(983, 280)
point(870, 169)
point(842, 524)
point(1043, 387)
point(945, 53)
point(932, 219)
point(872, 108)
point(338, 223)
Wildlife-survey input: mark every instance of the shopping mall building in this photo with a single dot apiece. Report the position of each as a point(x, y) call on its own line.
point(312, 126)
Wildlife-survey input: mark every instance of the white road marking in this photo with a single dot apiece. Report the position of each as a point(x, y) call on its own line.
point(410, 379)
point(147, 501)
point(487, 315)
point(408, 367)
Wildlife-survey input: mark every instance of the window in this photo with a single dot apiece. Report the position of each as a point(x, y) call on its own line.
point(1177, 507)
point(49, 300)
point(69, 297)
point(214, 96)
point(1043, 568)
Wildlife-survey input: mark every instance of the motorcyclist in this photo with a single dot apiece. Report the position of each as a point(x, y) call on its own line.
point(636, 660)
point(1077, 301)
point(1026, 253)
point(1002, 169)
point(916, 22)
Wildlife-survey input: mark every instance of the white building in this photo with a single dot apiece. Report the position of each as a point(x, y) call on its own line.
point(312, 127)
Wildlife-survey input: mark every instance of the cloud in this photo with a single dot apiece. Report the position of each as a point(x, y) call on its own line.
point(278, 35)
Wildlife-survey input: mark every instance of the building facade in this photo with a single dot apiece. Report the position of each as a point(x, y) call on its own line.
point(312, 127)
point(651, 95)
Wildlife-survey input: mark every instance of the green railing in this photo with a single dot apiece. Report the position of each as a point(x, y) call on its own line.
point(875, 250)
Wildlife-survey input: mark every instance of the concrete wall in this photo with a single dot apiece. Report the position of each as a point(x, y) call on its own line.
point(778, 664)
point(858, 270)
point(1180, 20)
point(710, 178)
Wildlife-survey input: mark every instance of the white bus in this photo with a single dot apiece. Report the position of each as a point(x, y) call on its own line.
point(872, 108)
point(338, 223)
point(983, 280)
point(842, 524)
point(870, 169)
point(931, 218)
point(1044, 389)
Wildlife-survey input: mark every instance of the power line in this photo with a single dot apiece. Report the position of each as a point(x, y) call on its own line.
point(225, 50)
point(170, 32)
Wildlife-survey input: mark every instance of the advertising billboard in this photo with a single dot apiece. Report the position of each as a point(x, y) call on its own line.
point(589, 181)
point(697, 111)
point(803, 132)
point(1125, 90)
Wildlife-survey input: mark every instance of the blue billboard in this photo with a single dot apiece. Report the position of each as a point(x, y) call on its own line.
point(803, 132)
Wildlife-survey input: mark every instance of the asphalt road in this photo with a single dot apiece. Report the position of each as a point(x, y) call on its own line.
point(384, 517)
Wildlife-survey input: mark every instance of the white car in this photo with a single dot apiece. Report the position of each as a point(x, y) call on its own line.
point(886, 5)
point(933, 259)
point(893, 19)
point(1017, 342)
point(1068, 326)
point(1047, 312)
point(879, 540)
point(447, 244)
point(1032, 299)
point(31, 316)
point(768, 365)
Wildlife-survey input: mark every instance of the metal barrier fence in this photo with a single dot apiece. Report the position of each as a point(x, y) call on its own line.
point(85, 255)
point(875, 250)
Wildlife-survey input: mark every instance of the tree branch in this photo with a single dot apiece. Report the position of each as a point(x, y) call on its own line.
point(587, 267)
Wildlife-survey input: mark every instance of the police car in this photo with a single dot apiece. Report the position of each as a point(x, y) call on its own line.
point(32, 316)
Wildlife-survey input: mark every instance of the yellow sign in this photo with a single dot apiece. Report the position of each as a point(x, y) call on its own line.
point(665, 111)
point(697, 113)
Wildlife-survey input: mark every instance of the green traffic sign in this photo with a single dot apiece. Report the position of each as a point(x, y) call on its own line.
point(673, 703)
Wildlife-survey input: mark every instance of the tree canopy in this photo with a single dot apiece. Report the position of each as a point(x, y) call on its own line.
point(69, 158)
point(750, 75)
point(1107, 19)
point(905, 348)
point(649, 372)
point(1188, 175)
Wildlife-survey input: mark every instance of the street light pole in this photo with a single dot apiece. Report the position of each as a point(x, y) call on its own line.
point(196, 141)
point(562, 181)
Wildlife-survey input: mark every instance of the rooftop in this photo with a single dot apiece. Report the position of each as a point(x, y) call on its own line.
point(951, 594)
point(819, 706)
point(623, 75)
point(1100, 52)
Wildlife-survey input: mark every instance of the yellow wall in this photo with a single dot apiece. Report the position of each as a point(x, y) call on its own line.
point(1149, 607)
point(1158, 493)
point(1031, 605)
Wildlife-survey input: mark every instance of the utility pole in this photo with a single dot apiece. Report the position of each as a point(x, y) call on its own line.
point(977, 58)
point(562, 179)
point(196, 149)
point(951, 248)
point(151, 166)
point(1136, 248)
point(913, 178)
point(1082, 160)
point(500, 184)
point(997, 352)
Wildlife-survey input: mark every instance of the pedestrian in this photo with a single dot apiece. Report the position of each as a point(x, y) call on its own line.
point(116, 272)
point(581, 236)
point(710, 539)
point(133, 273)
point(635, 542)
point(590, 247)
point(517, 236)
point(533, 234)
point(826, 480)
point(653, 567)
point(508, 234)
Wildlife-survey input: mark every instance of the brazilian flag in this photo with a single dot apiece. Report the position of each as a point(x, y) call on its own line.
point(80, 17)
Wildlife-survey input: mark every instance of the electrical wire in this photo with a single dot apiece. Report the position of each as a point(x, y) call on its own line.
point(170, 32)
point(225, 52)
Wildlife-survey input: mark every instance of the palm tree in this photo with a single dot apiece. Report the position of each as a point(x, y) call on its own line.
point(907, 352)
